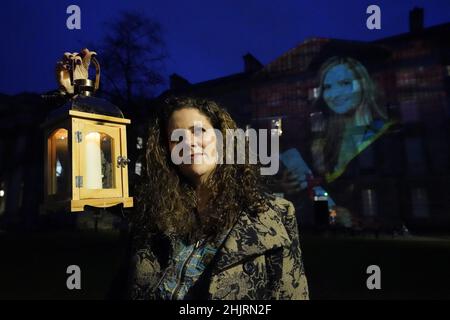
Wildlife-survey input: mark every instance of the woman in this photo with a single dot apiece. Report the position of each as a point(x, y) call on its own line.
point(353, 118)
point(207, 230)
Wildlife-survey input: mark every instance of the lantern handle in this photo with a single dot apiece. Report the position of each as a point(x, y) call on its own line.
point(97, 72)
point(89, 56)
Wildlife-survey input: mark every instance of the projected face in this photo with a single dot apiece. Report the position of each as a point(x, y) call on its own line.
point(341, 89)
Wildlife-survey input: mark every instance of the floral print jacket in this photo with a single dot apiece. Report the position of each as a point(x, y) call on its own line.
point(260, 258)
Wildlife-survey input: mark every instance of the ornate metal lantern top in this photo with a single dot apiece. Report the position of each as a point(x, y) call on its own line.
point(77, 90)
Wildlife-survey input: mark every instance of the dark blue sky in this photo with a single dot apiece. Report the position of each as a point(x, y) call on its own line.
point(205, 39)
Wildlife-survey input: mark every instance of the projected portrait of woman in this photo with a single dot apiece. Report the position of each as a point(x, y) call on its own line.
point(352, 116)
point(351, 119)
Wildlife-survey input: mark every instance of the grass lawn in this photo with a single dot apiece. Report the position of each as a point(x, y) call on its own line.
point(33, 266)
point(411, 268)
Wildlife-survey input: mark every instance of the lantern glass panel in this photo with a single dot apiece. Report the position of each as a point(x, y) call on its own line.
point(99, 159)
point(59, 162)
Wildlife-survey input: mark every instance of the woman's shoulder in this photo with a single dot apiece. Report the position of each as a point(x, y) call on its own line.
point(272, 227)
point(282, 213)
point(281, 206)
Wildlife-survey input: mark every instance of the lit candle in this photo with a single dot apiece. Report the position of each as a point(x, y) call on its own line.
point(93, 161)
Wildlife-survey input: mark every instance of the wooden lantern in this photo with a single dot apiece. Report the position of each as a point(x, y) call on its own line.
point(86, 153)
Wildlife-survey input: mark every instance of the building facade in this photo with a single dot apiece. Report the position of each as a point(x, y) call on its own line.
point(399, 177)
point(402, 177)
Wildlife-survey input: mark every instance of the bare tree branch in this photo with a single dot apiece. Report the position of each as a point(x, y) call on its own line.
point(133, 53)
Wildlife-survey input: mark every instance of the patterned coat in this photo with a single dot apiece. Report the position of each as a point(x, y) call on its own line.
point(259, 259)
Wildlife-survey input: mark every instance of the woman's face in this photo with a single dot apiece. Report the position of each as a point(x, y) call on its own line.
point(341, 89)
point(199, 138)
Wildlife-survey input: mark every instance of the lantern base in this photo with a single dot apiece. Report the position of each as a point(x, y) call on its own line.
point(78, 205)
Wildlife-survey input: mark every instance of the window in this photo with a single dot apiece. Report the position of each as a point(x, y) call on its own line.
point(2, 198)
point(317, 155)
point(138, 168)
point(414, 155)
point(419, 203)
point(317, 122)
point(247, 128)
point(139, 143)
point(406, 78)
point(313, 93)
point(409, 111)
point(276, 124)
point(369, 202)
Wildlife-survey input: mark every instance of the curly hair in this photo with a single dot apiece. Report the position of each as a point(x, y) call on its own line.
point(167, 201)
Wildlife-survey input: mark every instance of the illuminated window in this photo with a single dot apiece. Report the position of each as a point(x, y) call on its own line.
point(138, 168)
point(277, 125)
point(317, 154)
point(317, 122)
point(247, 128)
point(139, 143)
point(419, 203)
point(316, 93)
point(369, 202)
point(313, 93)
point(2, 198)
point(406, 78)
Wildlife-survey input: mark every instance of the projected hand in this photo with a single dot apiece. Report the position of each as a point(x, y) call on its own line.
point(288, 182)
